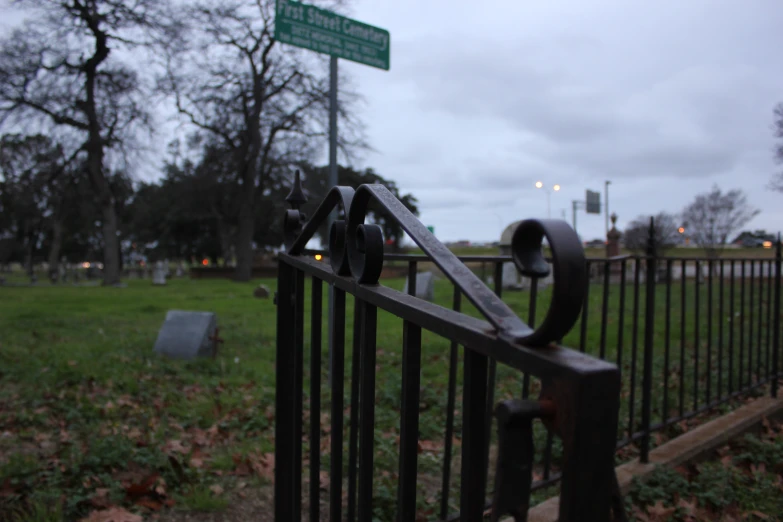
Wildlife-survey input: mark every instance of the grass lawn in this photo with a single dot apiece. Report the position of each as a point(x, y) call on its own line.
point(91, 418)
point(741, 481)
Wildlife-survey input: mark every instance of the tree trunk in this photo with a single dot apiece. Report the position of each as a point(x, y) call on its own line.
point(54, 249)
point(244, 242)
point(111, 245)
point(224, 233)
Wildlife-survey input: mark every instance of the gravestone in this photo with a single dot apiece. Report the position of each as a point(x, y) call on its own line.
point(166, 268)
point(511, 277)
point(425, 286)
point(179, 272)
point(262, 292)
point(187, 335)
point(159, 274)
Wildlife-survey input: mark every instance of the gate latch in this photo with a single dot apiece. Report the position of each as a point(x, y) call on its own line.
point(514, 470)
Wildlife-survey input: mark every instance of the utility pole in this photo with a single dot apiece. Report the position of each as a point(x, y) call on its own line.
point(606, 205)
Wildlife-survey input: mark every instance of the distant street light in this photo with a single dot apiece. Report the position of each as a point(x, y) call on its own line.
point(556, 187)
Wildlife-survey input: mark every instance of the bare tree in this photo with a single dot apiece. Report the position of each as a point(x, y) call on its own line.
point(58, 71)
point(777, 179)
point(266, 104)
point(667, 225)
point(714, 216)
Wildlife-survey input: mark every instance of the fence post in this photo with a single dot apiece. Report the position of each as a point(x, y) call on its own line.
point(776, 321)
point(649, 325)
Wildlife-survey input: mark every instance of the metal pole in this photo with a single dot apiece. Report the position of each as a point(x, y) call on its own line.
point(573, 210)
point(649, 322)
point(776, 322)
point(606, 205)
point(332, 182)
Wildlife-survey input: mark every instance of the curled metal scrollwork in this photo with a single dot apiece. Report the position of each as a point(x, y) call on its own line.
point(569, 272)
point(356, 249)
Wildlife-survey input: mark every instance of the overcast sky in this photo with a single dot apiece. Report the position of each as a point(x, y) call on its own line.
point(485, 98)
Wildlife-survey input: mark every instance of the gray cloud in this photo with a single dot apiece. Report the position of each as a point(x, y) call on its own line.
point(663, 99)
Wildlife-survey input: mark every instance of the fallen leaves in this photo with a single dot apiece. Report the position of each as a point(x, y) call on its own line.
point(115, 514)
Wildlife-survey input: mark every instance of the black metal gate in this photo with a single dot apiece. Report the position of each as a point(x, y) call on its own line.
point(579, 397)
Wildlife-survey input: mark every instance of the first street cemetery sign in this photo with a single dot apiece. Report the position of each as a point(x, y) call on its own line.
point(325, 32)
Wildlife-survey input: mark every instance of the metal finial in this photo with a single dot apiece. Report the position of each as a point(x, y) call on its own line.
point(613, 217)
point(296, 197)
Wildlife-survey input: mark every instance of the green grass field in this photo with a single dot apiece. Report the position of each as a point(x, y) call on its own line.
point(90, 415)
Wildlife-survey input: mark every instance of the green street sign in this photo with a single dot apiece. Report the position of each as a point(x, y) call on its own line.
point(431, 229)
point(325, 32)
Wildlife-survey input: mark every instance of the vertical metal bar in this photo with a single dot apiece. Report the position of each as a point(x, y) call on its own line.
point(710, 268)
point(298, 391)
point(634, 348)
point(768, 329)
point(589, 448)
point(649, 330)
point(621, 318)
point(759, 321)
point(474, 437)
point(315, 399)
point(696, 331)
point(721, 320)
point(667, 341)
point(338, 380)
point(731, 327)
point(452, 393)
point(531, 321)
point(367, 407)
point(683, 281)
point(409, 420)
point(742, 327)
point(776, 321)
point(355, 404)
point(604, 310)
point(284, 396)
point(751, 306)
point(489, 407)
point(585, 309)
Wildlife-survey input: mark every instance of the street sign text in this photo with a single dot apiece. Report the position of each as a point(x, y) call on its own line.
point(325, 32)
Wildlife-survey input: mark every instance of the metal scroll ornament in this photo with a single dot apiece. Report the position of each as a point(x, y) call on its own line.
point(356, 250)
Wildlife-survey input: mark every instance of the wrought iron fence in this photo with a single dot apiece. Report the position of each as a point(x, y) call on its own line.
point(578, 399)
point(688, 335)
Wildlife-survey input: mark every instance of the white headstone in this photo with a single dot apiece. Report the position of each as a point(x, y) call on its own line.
point(179, 272)
point(511, 277)
point(187, 335)
point(159, 274)
point(425, 286)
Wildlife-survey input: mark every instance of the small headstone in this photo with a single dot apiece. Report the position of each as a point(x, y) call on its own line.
point(511, 277)
point(159, 274)
point(425, 286)
point(262, 292)
point(120, 285)
point(166, 268)
point(33, 279)
point(179, 272)
point(187, 335)
point(490, 281)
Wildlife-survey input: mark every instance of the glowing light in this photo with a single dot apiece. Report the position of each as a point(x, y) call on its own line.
point(681, 230)
point(539, 184)
point(205, 262)
point(556, 187)
point(318, 257)
point(767, 244)
point(85, 265)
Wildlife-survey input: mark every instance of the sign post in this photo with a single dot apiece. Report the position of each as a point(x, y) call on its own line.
point(325, 32)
